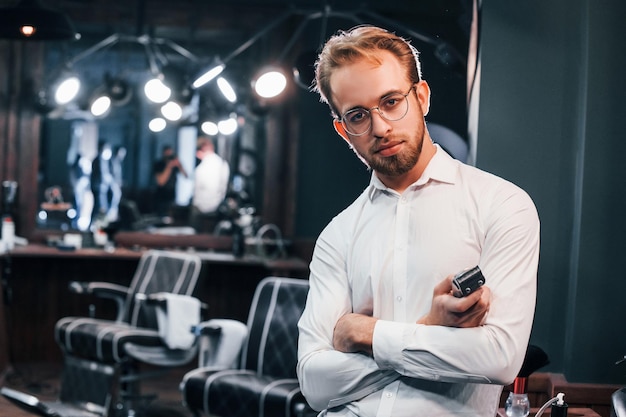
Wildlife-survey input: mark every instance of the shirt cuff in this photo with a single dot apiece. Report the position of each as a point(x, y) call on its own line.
point(388, 343)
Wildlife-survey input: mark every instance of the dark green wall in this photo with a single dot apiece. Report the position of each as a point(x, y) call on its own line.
point(552, 103)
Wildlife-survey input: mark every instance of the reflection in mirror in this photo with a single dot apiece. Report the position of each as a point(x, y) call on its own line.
point(106, 180)
point(103, 169)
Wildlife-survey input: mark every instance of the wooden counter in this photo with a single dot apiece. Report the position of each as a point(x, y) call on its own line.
point(36, 278)
point(44, 251)
point(290, 265)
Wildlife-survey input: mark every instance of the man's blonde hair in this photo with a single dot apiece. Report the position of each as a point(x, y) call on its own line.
point(362, 42)
point(204, 141)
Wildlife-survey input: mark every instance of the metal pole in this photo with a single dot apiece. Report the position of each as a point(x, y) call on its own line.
point(102, 44)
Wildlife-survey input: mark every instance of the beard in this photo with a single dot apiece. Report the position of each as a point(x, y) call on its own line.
point(397, 164)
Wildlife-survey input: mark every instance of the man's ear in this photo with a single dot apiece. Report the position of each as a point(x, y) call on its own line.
point(341, 130)
point(423, 96)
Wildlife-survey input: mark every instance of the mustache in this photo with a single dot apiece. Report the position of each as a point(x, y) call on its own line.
point(385, 142)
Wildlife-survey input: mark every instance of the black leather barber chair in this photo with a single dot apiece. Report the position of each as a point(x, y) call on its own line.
point(104, 360)
point(618, 403)
point(248, 371)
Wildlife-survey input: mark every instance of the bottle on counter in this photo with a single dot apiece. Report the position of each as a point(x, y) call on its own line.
point(238, 242)
point(8, 232)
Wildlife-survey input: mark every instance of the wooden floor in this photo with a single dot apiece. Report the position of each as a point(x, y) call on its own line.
point(42, 381)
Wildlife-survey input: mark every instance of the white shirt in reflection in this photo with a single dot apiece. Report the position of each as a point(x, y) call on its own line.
point(210, 183)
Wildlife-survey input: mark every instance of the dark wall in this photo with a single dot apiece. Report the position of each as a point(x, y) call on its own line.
point(551, 107)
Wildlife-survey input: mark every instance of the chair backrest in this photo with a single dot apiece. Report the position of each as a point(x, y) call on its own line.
point(271, 348)
point(159, 271)
point(618, 403)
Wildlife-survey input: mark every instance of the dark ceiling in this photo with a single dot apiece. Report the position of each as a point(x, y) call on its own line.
point(227, 23)
point(215, 29)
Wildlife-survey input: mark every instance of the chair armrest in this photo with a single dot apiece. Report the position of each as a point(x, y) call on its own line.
point(115, 292)
point(221, 341)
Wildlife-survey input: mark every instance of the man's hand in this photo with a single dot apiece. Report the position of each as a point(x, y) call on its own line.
point(354, 333)
point(173, 163)
point(448, 310)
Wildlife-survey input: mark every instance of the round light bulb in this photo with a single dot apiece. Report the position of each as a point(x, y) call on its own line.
point(226, 89)
point(270, 84)
point(28, 30)
point(156, 91)
point(228, 126)
point(172, 111)
point(157, 124)
point(100, 106)
point(67, 90)
point(210, 128)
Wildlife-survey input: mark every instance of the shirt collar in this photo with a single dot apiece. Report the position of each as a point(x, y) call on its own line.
point(441, 168)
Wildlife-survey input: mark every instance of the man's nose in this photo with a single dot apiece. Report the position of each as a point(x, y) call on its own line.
point(380, 125)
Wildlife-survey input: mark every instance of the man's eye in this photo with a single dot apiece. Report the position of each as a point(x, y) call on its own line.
point(392, 101)
point(357, 116)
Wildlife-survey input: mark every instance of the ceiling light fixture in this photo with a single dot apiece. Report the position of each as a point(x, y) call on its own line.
point(157, 124)
point(30, 20)
point(217, 68)
point(228, 126)
point(67, 90)
point(100, 106)
point(226, 89)
point(157, 91)
point(115, 91)
point(118, 90)
point(210, 128)
point(272, 84)
point(172, 111)
point(165, 83)
point(208, 75)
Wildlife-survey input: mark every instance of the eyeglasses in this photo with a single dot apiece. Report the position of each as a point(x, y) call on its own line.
point(392, 107)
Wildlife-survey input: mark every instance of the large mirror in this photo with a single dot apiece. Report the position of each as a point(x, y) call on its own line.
point(101, 170)
point(75, 144)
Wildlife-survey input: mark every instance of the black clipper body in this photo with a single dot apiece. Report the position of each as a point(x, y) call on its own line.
point(466, 282)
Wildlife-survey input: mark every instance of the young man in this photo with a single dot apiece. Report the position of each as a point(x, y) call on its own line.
point(382, 334)
point(211, 179)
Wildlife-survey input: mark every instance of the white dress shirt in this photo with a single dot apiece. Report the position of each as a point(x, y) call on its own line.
point(210, 183)
point(382, 256)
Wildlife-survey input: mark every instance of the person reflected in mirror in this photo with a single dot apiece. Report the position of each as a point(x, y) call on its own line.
point(382, 333)
point(166, 171)
point(107, 193)
point(80, 178)
point(211, 178)
point(117, 165)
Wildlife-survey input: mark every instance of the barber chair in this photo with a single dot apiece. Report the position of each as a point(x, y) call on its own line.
point(105, 360)
point(250, 370)
point(618, 403)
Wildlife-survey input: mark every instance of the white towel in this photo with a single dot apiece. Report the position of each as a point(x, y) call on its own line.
point(175, 321)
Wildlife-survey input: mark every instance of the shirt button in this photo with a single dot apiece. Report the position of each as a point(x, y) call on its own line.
point(389, 394)
point(399, 298)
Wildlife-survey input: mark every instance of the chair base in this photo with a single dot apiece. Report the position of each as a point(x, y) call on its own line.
point(86, 388)
point(33, 405)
